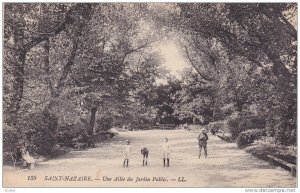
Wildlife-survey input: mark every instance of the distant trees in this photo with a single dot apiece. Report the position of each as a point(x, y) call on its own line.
point(194, 101)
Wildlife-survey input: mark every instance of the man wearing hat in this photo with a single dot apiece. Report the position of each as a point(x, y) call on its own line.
point(202, 138)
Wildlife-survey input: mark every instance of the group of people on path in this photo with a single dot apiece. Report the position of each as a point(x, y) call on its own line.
point(202, 141)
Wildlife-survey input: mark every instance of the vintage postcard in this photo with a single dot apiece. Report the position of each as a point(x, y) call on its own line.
point(150, 95)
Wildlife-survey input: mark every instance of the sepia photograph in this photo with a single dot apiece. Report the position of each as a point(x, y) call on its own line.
point(149, 95)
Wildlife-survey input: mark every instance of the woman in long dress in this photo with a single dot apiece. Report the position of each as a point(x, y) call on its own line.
point(29, 160)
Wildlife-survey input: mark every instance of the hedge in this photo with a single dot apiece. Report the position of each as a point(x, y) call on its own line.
point(247, 137)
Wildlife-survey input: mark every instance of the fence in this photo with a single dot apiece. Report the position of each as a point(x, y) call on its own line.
point(164, 126)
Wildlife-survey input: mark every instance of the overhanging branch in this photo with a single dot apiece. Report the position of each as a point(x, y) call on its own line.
point(198, 71)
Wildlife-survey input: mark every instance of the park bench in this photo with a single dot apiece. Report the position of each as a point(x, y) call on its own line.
point(16, 160)
point(155, 127)
point(292, 167)
point(164, 126)
point(80, 145)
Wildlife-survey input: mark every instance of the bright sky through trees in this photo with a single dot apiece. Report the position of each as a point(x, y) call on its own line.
point(174, 60)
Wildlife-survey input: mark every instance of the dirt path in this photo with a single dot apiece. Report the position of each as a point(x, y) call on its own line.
point(226, 165)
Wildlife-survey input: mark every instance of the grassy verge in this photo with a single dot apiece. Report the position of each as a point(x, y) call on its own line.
point(262, 151)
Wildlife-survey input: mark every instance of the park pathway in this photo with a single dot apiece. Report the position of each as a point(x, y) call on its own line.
point(225, 166)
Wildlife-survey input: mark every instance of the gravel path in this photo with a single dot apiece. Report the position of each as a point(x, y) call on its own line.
point(225, 166)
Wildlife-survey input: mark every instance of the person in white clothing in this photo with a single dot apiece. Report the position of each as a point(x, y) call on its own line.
point(166, 152)
point(28, 159)
point(127, 153)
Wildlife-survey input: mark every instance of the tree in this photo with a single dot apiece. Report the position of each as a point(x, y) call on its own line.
point(103, 64)
point(24, 28)
point(262, 34)
point(194, 101)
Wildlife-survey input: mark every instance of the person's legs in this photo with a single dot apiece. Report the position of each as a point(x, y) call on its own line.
point(146, 156)
point(205, 150)
point(127, 162)
point(143, 159)
point(125, 158)
point(200, 148)
point(164, 158)
point(168, 161)
point(124, 162)
point(24, 165)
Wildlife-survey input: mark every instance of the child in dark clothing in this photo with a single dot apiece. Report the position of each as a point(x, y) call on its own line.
point(145, 153)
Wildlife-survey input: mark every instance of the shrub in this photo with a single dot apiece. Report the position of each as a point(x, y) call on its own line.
point(240, 124)
point(67, 134)
point(227, 110)
point(64, 136)
point(10, 138)
point(104, 123)
point(214, 130)
point(39, 130)
point(284, 133)
point(267, 141)
point(247, 137)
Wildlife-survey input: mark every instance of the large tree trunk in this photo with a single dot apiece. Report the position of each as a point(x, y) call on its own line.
point(18, 60)
point(47, 66)
point(92, 121)
point(14, 61)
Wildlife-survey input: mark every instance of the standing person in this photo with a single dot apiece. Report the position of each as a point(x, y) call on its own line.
point(202, 138)
point(127, 153)
point(145, 153)
point(166, 152)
